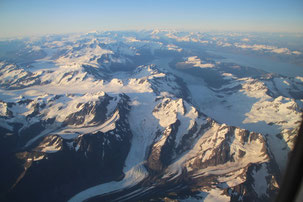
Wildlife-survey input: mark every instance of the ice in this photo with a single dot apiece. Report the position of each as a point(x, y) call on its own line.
point(187, 122)
point(213, 195)
point(260, 183)
point(216, 195)
point(70, 131)
point(279, 151)
point(210, 140)
point(40, 65)
point(53, 147)
point(143, 126)
point(243, 102)
point(132, 177)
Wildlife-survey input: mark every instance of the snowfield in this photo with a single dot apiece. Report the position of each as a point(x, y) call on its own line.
point(176, 117)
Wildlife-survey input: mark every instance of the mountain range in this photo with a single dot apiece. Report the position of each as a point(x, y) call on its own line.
point(145, 116)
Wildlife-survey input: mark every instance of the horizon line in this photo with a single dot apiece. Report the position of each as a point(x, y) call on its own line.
point(24, 36)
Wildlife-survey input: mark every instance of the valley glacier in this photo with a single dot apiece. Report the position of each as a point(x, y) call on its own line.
point(146, 115)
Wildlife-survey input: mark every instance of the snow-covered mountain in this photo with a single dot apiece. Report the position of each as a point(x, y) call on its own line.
point(149, 115)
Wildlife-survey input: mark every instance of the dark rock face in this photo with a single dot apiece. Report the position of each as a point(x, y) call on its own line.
point(161, 156)
point(187, 139)
point(98, 109)
point(180, 91)
point(54, 169)
point(22, 79)
point(7, 141)
point(246, 191)
point(54, 146)
point(208, 172)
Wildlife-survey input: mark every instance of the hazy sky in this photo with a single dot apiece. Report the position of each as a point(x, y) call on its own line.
point(31, 17)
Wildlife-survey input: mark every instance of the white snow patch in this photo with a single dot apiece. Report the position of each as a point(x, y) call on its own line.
point(216, 195)
point(196, 62)
point(51, 148)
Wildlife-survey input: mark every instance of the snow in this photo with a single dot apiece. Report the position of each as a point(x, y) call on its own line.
point(261, 47)
point(166, 112)
point(38, 158)
point(51, 148)
point(296, 52)
point(11, 74)
point(212, 195)
point(77, 147)
point(41, 65)
point(216, 195)
point(174, 47)
point(260, 183)
point(203, 149)
point(134, 170)
point(283, 86)
point(142, 125)
point(132, 177)
point(131, 39)
point(73, 131)
point(281, 111)
point(47, 131)
point(245, 39)
point(146, 72)
point(3, 109)
point(279, 151)
point(160, 142)
point(187, 122)
point(229, 76)
point(112, 106)
point(110, 123)
point(196, 62)
point(198, 198)
point(233, 178)
point(176, 167)
point(251, 107)
point(67, 104)
point(177, 38)
point(85, 55)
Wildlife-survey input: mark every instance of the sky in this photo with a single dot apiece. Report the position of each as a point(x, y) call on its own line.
point(37, 17)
